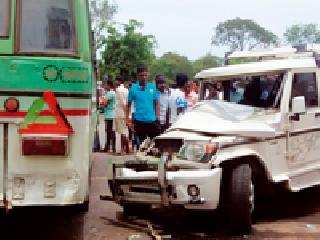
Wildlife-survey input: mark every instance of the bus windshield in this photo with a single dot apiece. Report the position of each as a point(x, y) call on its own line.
point(258, 91)
point(4, 18)
point(46, 26)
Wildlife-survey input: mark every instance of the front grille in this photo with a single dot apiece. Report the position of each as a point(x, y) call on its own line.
point(145, 189)
point(168, 145)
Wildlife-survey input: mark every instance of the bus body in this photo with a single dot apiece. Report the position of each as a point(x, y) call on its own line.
point(46, 91)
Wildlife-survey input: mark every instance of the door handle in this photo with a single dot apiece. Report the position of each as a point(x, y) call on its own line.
point(317, 114)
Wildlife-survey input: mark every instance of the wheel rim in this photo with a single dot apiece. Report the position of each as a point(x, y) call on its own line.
point(251, 198)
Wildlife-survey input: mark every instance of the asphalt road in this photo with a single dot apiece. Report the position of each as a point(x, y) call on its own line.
point(284, 216)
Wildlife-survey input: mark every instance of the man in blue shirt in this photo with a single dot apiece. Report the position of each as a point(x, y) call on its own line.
point(144, 95)
point(109, 105)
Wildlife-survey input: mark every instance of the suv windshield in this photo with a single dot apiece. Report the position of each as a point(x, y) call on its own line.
point(46, 26)
point(4, 18)
point(258, 91)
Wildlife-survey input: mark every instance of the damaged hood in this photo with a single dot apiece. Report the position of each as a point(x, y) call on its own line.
point(218, 117)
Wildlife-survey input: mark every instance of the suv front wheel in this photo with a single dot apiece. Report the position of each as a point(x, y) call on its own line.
point(240, 199)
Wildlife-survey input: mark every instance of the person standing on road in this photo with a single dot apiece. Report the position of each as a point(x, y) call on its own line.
point(163, 102)
point(121, 100)
point(177, 103)
point(109, 104)
point(145, 97)
point(131, 134)
point(190, 94)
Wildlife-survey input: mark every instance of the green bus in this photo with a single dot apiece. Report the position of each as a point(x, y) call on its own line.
point(47, 102)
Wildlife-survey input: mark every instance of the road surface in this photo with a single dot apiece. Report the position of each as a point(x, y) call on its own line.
point(285, 216)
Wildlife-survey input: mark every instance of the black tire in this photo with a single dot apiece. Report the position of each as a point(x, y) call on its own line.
point(96, 141)
point(240, 202)
point(80, 208)
point(135, 209)
point(83, 207)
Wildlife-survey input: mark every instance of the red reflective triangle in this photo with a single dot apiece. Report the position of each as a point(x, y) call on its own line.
point(61, 127)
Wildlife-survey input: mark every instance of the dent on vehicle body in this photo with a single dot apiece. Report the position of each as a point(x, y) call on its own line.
point(217, 117)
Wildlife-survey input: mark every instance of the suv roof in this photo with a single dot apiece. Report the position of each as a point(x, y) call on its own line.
point(266, 60)
point(257, 67)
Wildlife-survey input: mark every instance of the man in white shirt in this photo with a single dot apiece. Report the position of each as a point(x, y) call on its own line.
point(121, 101)
point(177, 100)
point(163, 102)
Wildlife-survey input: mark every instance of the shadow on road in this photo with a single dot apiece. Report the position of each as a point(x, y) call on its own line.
point(290, 205)
point(65, 224)
point(39, 223)
point(182, 224)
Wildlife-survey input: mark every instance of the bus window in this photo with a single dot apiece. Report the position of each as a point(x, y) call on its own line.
point(46, 26)
point(4, 18)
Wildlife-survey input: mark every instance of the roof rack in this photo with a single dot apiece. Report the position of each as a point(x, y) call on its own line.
point(303, 50)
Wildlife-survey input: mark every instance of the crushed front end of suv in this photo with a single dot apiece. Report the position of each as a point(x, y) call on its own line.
point(233, 146)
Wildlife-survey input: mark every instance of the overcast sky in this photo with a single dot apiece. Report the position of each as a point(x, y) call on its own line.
point(186, 26)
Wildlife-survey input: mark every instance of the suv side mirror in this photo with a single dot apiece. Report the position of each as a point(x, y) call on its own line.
point(298, 107)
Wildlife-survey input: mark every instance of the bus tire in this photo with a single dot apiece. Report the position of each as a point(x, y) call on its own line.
point(84, 207)
point(81, 208)
point(240, 200)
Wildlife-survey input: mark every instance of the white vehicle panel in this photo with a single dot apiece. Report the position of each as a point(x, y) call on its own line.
point(45, 180)
point(208, 182)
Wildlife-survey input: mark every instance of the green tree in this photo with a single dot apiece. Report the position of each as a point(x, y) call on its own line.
point(242, 34)
point(207, 61)
point(302, 33)
point(102, 12)
point(124, 50)
point(169, 64)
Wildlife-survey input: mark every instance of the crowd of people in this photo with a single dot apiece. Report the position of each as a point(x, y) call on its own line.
point(144, 108)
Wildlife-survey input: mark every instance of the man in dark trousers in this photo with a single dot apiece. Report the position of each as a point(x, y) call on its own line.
point(163, 102)
point(144, 95)
point(109, 104)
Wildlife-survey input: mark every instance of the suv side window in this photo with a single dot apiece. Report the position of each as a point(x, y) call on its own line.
point(305, 84)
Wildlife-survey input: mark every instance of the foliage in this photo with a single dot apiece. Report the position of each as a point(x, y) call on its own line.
point(207, 61)
point(169, 64)
point(302, 33)
point(125, 50)
point(102, 12)
point(242, 34)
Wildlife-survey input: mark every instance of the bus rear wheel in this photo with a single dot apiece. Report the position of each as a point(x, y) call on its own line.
point(80, 208)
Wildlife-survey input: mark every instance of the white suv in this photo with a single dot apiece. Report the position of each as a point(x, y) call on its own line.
point(225, 153)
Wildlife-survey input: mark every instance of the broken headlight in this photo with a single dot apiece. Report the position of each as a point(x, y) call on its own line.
point(197, 151)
